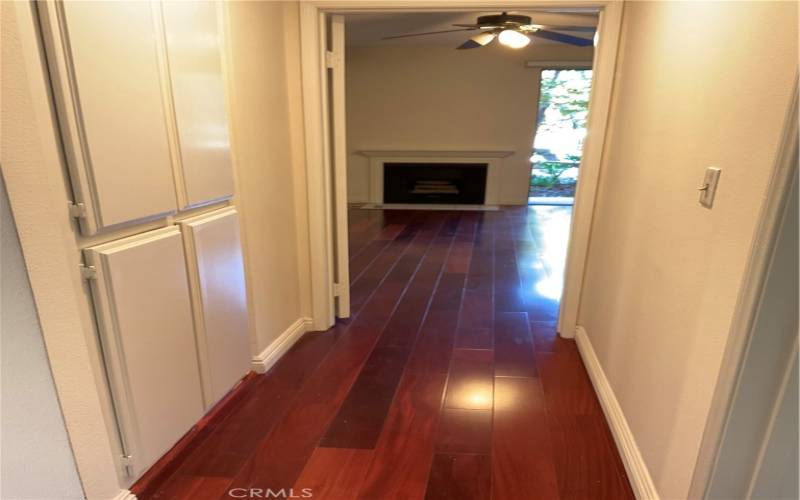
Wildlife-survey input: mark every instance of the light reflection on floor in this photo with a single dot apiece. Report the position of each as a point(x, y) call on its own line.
point(550, 226)
point(475, 395)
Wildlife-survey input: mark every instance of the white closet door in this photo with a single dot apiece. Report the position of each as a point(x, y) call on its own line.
point(217, 275)
point(145, 318)
point(194, 49)
point(105, 61)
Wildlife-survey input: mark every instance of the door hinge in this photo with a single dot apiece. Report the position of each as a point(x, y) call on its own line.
point(127, 464)
point(77, 210)
point(337, 290)
point(88, 272)
point(330, 59)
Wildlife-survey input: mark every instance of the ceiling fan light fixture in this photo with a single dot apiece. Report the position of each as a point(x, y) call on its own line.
point(513, 39)
point(483, 38)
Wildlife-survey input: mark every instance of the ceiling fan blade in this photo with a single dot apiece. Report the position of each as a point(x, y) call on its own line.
point(469, 44)
point(563, 38)
point(476, 26)
point(426, 33)
point(479, 40)
point(583, 29)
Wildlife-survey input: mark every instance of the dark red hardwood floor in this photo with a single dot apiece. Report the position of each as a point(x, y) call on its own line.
point(448, 381)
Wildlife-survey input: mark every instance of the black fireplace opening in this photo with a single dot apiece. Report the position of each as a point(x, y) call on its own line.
point(446, 183)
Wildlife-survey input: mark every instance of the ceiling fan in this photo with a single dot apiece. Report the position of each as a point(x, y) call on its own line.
point(512, 31)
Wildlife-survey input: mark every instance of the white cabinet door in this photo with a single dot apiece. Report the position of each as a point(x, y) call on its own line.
point(194, 49)
point(144, 315)
point(220, 299)
point(104, 58)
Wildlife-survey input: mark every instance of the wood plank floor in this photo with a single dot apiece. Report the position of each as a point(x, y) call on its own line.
point(448, 382)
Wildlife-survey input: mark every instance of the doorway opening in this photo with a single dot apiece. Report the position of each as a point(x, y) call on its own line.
point(351, 172)
point(560, 131)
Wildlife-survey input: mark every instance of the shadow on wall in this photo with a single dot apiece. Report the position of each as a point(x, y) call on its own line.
point(37, 459)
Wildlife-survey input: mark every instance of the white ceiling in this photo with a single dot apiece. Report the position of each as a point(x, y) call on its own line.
point(366, 30)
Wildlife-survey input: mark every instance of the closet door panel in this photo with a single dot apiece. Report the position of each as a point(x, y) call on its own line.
point(194, 51)
point(145, 318)
point(215, 253)
point(107, 63)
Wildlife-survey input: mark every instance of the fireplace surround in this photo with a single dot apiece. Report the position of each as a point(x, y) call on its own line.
point(433, 160)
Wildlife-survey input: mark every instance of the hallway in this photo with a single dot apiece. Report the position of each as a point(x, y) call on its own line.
point(449, 381)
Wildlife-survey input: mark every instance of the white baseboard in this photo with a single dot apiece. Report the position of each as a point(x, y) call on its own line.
point(637, 470)
point(264, 360)
point(124, 495)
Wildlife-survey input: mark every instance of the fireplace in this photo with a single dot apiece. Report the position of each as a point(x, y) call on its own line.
point(434, 162)
point(444, 183)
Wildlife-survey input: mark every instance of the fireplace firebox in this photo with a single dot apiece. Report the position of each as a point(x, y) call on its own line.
point(445, 183)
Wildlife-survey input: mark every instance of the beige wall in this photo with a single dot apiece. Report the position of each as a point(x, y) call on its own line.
point(37, 457)
point(37, 192)
point(438, 98)
point(701, 84)
point(266, 112)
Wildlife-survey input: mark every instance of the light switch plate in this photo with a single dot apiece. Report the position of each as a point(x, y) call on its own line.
point(709, 187)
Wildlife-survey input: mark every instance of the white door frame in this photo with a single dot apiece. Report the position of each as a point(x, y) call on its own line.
point(749, 299)
point(338, 154)
point(312, 29)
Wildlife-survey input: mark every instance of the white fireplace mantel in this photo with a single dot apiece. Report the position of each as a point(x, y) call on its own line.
point(378, 157)
point(436, 154)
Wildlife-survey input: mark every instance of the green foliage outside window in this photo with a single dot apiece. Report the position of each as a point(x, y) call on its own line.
point(552, 170)
point(563, 108)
